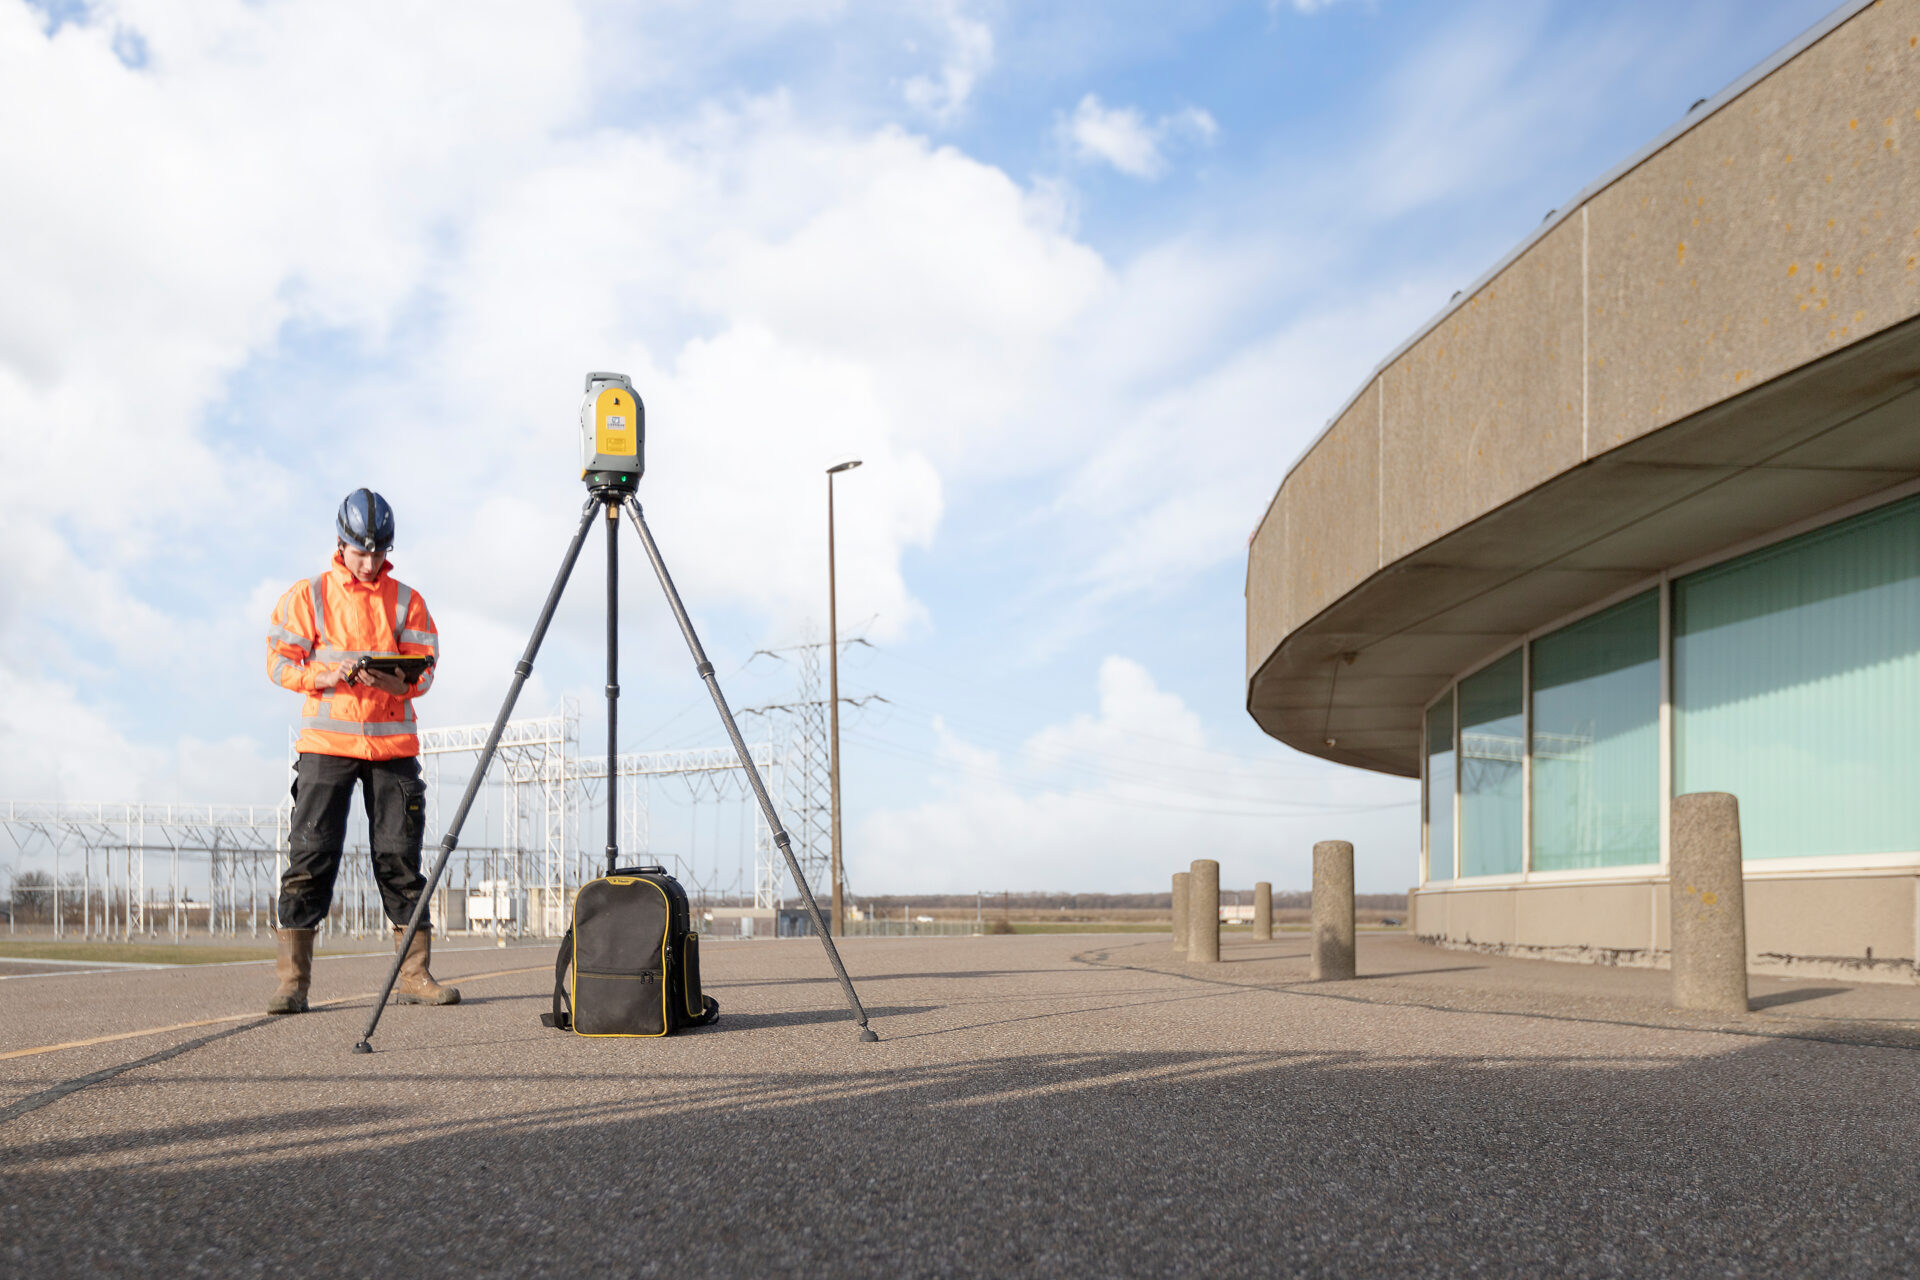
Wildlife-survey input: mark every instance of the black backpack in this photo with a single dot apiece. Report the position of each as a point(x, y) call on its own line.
point(635, 960)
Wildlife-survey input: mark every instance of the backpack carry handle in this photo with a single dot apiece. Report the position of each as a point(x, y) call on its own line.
point(637, 871)
point(560, 1019)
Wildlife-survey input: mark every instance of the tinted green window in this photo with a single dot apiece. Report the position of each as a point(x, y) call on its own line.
point(1797, 688)
point(1491, 751)
point(1596, 740)
point(1440, 790)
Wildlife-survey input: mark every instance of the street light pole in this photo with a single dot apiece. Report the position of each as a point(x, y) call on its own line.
point(839, 919)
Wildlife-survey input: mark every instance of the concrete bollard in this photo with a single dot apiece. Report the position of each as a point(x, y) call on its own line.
point(1332, 911)
point(1263, 912)
point(1203, 912)
point(1708, 904)
point(1180, 912)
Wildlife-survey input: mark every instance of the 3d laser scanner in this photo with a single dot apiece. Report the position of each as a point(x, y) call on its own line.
point(613, 434)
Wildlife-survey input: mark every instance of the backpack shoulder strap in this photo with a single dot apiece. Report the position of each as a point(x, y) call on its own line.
point(559, 1019)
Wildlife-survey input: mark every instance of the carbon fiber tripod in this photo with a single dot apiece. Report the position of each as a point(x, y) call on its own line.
point(613, 498)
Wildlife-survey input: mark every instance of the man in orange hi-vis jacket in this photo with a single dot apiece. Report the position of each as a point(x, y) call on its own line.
point(357, 726)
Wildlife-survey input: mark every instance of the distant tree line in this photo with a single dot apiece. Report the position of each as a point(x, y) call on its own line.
point(32, 897)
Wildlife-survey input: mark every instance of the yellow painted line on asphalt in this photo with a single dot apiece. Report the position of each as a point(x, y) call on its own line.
point(234, 1017)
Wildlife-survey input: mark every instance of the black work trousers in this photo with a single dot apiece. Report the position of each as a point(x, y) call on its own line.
point(395, 796)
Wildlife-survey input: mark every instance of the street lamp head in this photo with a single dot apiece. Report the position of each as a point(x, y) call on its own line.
point(845, 464)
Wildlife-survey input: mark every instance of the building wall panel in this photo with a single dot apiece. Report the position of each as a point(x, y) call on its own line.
point(1783, 228)
point(1488, 405)
point(1481, 917)
point(1867, 920)
point(1610, 918)
point(1333, 511)
point(1268, 574)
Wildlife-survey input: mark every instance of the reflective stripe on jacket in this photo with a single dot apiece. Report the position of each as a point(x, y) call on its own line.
point(335, 618)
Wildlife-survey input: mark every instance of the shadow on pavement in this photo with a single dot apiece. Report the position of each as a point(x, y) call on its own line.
point(1794, 996)
point(1416, 973)
point(289, 1128)
point(807, 1017)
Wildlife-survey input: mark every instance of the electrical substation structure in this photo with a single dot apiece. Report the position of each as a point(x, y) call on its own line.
point(801, 725)
point(133, 870)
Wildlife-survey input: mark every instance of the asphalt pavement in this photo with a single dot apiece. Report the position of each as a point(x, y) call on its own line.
point(1038, 1105)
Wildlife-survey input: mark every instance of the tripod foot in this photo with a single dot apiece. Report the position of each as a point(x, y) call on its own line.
point(869, 1036)
point(363, 1047)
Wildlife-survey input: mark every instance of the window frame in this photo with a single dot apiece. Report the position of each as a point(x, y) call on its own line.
point(1426, 790)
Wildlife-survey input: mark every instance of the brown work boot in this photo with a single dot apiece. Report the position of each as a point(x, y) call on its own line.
point(294, 968)
point(416, 985)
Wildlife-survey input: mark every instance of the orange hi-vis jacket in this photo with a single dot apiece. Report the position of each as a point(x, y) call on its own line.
point(336, 618)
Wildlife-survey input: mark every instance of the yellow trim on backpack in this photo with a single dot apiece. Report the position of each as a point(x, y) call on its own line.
point(691, 940)
point(666, 1023)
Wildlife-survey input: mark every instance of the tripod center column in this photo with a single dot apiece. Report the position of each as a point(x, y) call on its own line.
point(613, 679)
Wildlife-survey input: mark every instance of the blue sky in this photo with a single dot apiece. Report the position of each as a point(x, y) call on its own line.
point(1078, 282)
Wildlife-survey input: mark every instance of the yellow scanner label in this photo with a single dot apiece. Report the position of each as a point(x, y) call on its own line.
point(614, 427)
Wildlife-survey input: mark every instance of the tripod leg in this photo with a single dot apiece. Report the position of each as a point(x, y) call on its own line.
point(613, 681)
point(521, 671)
point(780, 836)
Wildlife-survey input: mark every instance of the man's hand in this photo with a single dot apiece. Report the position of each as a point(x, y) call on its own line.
point(385, 682)
point(329, 675)
point(349, 673)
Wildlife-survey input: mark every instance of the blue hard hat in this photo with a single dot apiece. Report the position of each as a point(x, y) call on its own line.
point(365, 521)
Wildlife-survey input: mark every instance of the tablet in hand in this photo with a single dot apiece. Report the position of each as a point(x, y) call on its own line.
point(408, 666)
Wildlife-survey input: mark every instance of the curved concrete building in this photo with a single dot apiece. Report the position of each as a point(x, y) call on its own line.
point(1639, 515)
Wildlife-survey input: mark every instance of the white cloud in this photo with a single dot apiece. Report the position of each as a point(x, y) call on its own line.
point(1187, 470)
point(58, 744)
point(1483, 107)
point(1119, 136)
point(830, 293)
point(1124, 799)
point(969, 56)
point(1125, 139)
point(1192, 122)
